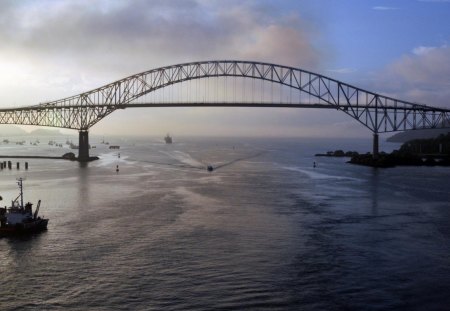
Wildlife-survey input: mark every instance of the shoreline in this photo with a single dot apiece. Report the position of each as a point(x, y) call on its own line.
point(388, 160)
point(46, 157)
point(29, 157)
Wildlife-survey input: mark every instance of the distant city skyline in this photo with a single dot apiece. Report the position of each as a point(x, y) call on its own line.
point(55, 49)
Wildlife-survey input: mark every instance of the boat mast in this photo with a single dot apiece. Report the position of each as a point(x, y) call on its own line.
point(21, 191)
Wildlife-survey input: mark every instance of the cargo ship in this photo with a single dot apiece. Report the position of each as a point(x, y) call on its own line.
point(168, 139)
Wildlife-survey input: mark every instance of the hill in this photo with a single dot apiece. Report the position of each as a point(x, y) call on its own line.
point(417, 152)
point(405, 136)
point(11, 130)
point(45, 132)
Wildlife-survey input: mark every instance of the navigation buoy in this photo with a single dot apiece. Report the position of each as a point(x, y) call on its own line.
point(314, 165)
point(209, 168)
point(117, 168)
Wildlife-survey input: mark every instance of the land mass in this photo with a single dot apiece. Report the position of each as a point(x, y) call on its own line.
point(11, 130)
point(417, 152)
point(405, 136)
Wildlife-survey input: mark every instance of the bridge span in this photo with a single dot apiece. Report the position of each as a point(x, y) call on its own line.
point(229, 83)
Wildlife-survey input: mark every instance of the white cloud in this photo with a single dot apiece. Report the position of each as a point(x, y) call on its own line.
point(422, 50)
point(422, 77)
point(434, 0)
point(384, 8)
point(342, 70)
point(55, 49)
point(106, 42)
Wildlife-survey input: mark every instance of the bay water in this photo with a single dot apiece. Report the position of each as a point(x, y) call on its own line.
point(265, 230)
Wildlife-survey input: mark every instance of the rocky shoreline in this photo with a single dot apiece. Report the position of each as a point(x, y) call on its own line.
point(400, 159)
point(337, 153)
point(419, 152)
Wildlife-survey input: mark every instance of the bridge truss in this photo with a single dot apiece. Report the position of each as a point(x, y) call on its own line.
point(377, 112)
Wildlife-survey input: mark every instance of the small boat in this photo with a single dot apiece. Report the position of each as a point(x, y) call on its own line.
point(168, 139)
point(19, 219)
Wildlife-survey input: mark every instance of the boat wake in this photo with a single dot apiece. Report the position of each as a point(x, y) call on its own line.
point(184, 158)
point(315, 175)
point(239, 159)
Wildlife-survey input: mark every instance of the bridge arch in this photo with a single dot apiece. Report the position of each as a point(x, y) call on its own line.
point(377, 112)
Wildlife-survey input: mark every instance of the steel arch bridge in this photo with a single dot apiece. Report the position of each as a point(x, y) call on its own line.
point(377, 112)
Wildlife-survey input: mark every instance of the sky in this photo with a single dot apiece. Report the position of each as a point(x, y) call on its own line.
point(54, 49)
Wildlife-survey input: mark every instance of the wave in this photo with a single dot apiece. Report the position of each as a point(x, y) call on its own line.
point(184, 158)
point(315, 175)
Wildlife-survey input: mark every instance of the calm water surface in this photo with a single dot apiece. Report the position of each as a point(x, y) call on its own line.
point(263, 231)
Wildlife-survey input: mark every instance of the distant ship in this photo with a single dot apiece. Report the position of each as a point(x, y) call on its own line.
point(19, 219)
point(168, 139)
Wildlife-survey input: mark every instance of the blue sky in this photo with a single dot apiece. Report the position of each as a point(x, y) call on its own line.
point(54, 49)
point(370, 34)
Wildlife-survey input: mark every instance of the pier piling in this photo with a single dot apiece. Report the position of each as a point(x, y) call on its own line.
point(83, 151)
point(375, 146)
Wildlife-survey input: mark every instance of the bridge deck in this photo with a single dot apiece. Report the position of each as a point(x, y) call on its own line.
point(217, 104)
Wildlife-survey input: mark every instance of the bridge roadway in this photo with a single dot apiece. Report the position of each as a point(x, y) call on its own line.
point(378, 113)
point(185, 104)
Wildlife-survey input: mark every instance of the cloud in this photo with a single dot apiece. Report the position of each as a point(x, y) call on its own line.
point(107, 40)
point(433, 0)
point(53, 49)
point(422, 50)
point(342, 70)
point(422, 77)
point(384, 8)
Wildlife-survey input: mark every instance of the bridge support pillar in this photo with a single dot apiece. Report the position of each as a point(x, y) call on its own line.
point(83, 151)
point(375, 146)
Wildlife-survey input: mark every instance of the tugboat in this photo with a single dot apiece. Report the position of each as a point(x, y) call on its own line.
point(19, 219)
point(168, 139)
